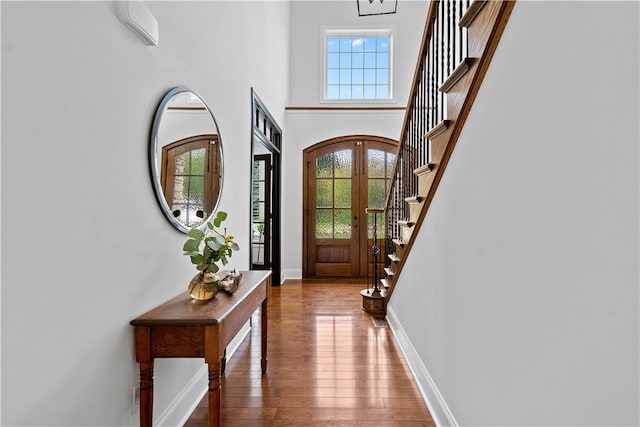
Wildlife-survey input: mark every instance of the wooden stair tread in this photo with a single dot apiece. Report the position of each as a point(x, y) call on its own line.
point(385, 283)
point(406, 223)
point(414, 199)
point(393, 257)
point(471, 13)
point(389, 271)
point(422, 170)
point(437, 129)
point(399, 242)
point(456, 75)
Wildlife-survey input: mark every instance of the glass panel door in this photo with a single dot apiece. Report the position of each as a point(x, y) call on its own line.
point(333, 215)
point(380, 163)
point(261, 213)
point(343, 179)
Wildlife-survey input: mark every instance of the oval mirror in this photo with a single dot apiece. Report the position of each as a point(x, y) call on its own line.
point(186, 159)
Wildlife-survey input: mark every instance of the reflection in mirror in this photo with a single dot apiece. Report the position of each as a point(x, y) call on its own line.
point(186, 159)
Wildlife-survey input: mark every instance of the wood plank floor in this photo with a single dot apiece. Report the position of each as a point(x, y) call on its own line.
point(329, 365)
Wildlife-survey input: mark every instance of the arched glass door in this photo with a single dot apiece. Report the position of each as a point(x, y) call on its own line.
point(343, 177)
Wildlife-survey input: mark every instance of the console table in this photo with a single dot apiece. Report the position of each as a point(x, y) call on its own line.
point(184, 327)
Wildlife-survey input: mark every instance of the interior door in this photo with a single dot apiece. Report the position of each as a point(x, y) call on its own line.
point(342, 178)
point(266, 147)
point(261, 213)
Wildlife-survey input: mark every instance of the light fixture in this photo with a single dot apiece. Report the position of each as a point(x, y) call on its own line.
point(376, 7)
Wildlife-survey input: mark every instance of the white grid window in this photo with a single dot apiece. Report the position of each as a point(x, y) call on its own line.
point(358, 65)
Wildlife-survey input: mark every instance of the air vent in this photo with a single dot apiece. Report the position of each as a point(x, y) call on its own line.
point(379, 322)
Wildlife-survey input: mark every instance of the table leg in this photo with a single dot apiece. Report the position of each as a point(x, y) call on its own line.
point(214, 394)
point(144, 359)
point(263, 338)
point(146, 394)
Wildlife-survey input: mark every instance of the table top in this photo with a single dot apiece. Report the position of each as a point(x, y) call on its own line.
point(186, 311)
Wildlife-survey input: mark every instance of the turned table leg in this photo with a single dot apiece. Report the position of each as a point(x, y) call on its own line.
point(213, 355)
point(214, 394)
point(146, 394)
point(144, 359)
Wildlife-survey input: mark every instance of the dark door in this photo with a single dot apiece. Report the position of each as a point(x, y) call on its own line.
point(265, 190)
point(261, 213)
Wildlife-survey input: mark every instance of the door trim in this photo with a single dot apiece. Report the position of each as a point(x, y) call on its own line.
point(265, 131)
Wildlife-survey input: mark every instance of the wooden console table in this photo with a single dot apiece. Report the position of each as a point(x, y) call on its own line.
point(184, 327)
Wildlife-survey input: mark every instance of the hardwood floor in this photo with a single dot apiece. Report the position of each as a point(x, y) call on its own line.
point(329, 365)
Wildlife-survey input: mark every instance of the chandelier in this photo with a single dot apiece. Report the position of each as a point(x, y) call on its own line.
point(376, 7)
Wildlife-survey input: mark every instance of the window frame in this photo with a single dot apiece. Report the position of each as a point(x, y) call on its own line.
point(327, 32)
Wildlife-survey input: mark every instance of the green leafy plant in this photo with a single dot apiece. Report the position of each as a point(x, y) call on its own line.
point(208, 247)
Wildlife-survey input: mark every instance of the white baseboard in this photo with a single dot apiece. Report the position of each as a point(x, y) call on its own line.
point(440, 412)
point(293, 273)
point(181, 408)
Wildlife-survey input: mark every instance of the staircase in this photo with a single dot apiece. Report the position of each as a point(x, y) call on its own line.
point(458, 43)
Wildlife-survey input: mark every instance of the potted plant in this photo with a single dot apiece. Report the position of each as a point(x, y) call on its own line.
point(206, 248)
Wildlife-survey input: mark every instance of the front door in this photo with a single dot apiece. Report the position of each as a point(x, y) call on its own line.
point(343, 177)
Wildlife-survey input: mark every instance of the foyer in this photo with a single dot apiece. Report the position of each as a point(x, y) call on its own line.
point(329, 365)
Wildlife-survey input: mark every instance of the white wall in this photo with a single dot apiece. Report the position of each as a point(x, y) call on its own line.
point(520, 296)
point(86, 248)
point(307, 21)
point(307, 127)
